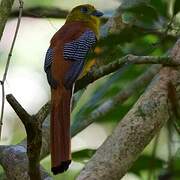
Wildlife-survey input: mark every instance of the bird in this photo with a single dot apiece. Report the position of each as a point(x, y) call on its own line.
point(65, 60)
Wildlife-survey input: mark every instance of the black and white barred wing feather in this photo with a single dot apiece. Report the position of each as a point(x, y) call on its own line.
point(76, 51)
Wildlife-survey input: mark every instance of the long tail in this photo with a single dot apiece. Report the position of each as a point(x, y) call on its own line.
point(60, 129)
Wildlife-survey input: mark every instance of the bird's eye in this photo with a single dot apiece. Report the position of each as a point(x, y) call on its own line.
point(84, 9)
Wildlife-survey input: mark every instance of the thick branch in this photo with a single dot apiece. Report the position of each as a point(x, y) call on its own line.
point(136, 129)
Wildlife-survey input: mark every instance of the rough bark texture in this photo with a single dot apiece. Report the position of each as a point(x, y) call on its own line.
point(5, 10)
point(118, 153)
point(15, 163)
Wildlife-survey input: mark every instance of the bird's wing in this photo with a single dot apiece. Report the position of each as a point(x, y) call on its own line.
point(47, 68)
point(48, 59)
point(76, 51)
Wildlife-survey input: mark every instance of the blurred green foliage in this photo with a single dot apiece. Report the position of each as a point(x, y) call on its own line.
point(83, 155)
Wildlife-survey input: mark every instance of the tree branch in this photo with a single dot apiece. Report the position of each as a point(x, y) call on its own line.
point(5, 10)
point(33, 126)
point(114, 66)
point(136, 129)
point(42, 12)
point(14, 161)
point(20, 111)
point(43, 112)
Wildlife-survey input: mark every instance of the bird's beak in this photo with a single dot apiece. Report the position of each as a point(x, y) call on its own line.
point(97, 13)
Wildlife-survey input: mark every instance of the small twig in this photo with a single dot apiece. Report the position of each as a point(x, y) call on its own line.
point(2, 106)
point(14, 40)
point(8, 62)
point(169, 144)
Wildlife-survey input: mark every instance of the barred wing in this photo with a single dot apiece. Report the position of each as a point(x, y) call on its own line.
point(76, 51)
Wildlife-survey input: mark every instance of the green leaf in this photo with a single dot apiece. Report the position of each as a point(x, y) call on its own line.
point(176, 7)
point(83, 155)
point(146, 162)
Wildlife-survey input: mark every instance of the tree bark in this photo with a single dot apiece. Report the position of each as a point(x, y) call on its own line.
point(5, 10)
point(118, 153)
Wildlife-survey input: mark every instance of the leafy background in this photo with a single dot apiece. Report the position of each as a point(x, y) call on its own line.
point(151, 28)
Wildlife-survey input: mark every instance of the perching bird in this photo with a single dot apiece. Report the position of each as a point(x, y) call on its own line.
point(64, 62)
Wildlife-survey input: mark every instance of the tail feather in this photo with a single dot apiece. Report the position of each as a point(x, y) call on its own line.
point(60, 129)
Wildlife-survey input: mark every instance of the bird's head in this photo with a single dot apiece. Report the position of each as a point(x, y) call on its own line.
point(85, 13)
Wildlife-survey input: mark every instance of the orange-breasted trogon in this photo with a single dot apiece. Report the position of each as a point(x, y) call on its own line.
point(64, 62)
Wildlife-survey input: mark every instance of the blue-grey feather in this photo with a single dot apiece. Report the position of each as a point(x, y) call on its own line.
point(48, 59)
point(47, 68)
